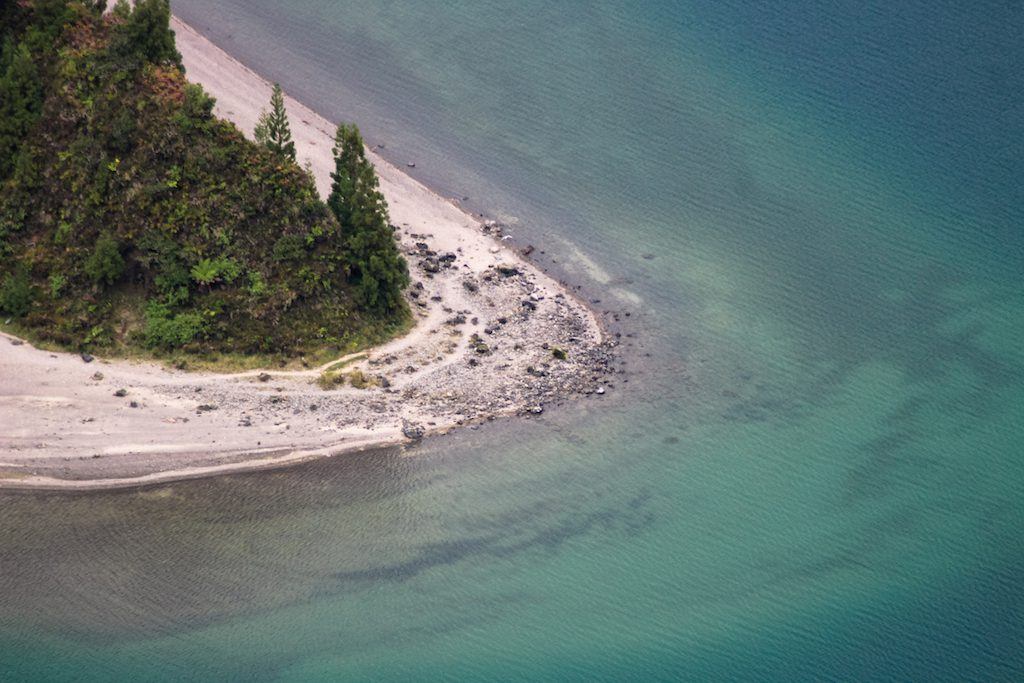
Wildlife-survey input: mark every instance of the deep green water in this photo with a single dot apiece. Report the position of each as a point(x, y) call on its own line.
point(813, 213)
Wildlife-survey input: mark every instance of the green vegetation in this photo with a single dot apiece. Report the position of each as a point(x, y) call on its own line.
point(144, 36)
point(334, 379)
point(16, 293)
point(105, 265)
point(21, 100)
point(378, 270)
point(272, 130)
point(132, 219)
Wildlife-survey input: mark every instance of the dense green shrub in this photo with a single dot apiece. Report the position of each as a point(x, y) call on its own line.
point(105, 265)
point(16, 293)
point(168, 331)
point(210, 271)
point(144, 35)
point(21, 100)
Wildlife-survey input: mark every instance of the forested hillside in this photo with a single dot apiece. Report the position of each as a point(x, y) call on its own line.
point(131, 217)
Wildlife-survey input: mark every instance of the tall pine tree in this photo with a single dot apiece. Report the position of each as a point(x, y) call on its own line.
point(272, 130)
point(377, 270)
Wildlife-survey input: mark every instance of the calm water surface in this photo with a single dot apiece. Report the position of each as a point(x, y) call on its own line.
point(813, 213)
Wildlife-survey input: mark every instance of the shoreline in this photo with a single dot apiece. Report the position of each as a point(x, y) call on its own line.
point(487, 324)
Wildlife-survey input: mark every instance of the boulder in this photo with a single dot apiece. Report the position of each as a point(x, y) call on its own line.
point(412, 431)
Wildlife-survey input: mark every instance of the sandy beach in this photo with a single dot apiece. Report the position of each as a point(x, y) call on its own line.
point(488, 324)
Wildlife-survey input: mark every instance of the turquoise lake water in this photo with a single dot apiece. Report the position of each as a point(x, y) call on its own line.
point(813, 213)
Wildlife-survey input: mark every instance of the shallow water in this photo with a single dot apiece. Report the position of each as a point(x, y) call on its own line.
point(813, 215)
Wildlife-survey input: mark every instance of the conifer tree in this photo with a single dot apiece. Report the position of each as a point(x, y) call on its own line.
point(145, 34)
point(377, 270)
point(273, 130)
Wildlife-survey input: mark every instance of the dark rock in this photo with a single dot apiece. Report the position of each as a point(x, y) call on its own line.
point(121, 393)
point(413, 431)
point(205, 408)
point(16, 342)
point(97, 376)
point(263, 377)
point(133, 404)
point(507, 270)
point(87, 357)
point(528, 249)
point(529, 305)
point(470, 286)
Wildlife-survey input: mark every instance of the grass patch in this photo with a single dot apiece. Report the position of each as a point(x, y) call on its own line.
point(215, 361)
point(333, 367)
